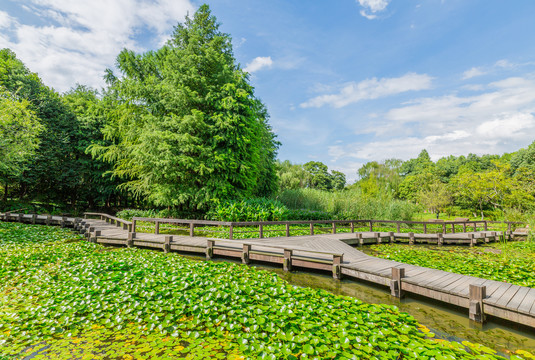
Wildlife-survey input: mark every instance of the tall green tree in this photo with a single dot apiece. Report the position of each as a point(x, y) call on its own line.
point(19, 137)
point(187, 127)
point(52, 173)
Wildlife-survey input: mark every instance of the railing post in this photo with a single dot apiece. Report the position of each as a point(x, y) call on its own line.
point(192, 229)
point(231, 231)
point(167, 243)
point(453, 228)
point(210, 249)
point(440, 239)
point(261, 231)
point(485, 225)
point(444, 228)
point(352, 227)
point(287, 230)
point(425, 228)
point(334, 227)
point(130, 239)
point(475, 226)
point(371, 225)
point(311, 228)
point(464, 227)
point(133, 225)
point(476, 310)
point(395, 283)
point(287, 262)
point(156, 227)
point(398, 227)
point(337, 268)
point(245, 254)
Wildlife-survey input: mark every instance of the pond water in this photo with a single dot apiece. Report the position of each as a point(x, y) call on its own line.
point(446, 321)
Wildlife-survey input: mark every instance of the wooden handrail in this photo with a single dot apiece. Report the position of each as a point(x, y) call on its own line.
point(279, 247)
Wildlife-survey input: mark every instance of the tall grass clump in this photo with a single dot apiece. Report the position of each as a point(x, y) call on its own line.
point(349, 204)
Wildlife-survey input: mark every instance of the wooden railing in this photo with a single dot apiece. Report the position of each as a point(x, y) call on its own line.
point(312, 227)
point(126, 225)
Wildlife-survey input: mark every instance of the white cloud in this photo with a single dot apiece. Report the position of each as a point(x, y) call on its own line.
point(6, 21)
point(496, 121)
point(371, 7)
point(80, 39)
point(258, 63)
point(473, 72)
point(371, 89)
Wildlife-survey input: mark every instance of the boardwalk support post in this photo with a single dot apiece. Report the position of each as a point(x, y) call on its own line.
point(63, 221)
point(210, 249)
point(34, 218)
point(130, 239)
point(378, 239)
point(133, 226)
point(167, 243)
point(48, 219)
point(93, 238)
point(391, 235)
point(361, 240)
point(472, 240)
point(395, 283)
point(411, 238)
point(440, 239)
point(20, 217)
point(476, 310)
point(245, 259)
point(287, 262)
point(337, 268)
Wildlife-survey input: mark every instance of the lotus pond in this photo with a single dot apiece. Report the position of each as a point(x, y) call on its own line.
point(64, 298)
point(512, 262)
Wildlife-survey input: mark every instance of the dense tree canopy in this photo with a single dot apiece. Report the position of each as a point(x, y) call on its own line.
point(187, 127)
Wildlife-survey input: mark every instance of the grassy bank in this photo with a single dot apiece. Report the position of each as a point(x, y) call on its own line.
point(64, 298)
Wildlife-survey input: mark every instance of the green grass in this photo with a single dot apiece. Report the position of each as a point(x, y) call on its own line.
point(64, 298)
point(512, 262)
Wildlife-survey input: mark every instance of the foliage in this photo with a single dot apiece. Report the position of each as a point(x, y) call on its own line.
point(313, 175)
point(19, 131)
point(512, 262)
point(260, 209)
point(348, 204)
point(128, 214)
point(66, 298)
point(53, 171)
point(305, 214)
point(377, 178)
point(187, 128)
point(435, 198)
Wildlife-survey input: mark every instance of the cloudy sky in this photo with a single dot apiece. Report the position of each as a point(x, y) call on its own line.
point(345, 81)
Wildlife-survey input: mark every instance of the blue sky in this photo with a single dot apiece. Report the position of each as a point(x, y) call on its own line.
point(345, 81)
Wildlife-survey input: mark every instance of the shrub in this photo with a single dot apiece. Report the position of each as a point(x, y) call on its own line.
point(258, 209)
point(128, 214)
point(305, 214)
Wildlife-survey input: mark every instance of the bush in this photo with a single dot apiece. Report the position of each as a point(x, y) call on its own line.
point(305, 214)
point(349, 204)
point(128, 214)
point(259, 209)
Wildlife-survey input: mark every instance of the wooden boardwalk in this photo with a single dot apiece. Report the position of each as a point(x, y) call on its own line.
point(331, 252)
